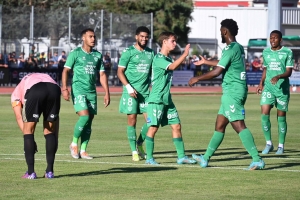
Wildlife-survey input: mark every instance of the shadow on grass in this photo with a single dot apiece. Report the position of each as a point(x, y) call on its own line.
point(119, 171)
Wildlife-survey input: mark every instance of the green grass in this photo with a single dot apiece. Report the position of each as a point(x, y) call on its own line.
point(112, 174)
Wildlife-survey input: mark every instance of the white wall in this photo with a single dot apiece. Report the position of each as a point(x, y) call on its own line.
point(252, 23)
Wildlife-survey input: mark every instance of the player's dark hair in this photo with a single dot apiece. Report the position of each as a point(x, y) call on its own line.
point(277, 32)
point(86, 30)
point(231, 25)
point(164, 36)
point(143, 29)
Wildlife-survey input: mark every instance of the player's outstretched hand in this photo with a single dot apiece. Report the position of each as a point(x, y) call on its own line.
point(66, 94)
point(201, 61)
point(106, 100)
point(192, 81)
point(187, 50)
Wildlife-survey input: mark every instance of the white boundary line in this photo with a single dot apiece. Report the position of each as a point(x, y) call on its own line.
point(161, 165)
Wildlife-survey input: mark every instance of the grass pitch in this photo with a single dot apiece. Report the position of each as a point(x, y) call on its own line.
point(112, 174)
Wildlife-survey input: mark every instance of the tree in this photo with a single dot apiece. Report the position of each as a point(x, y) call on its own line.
point(169, 15)
point(50, 19)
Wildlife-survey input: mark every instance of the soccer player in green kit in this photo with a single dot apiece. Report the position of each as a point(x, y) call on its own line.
point(232, 66)
point(134, 72)
point(274, 88)
point(85, 62)
point(161, 110)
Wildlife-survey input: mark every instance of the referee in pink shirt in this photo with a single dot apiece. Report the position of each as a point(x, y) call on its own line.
point(37, 93)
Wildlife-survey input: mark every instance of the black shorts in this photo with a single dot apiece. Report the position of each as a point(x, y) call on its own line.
point(43, 98)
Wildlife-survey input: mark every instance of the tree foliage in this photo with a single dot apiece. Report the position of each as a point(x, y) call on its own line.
point(51, 18)
point(169, 15)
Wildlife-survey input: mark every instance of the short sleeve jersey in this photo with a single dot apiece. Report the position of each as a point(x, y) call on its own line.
point(137, 66)
point(161, 80)
point(276, 63)
point(85, 66)
point(17, 97)
point(234, 75)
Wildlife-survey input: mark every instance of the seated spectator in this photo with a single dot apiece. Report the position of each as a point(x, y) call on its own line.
point(3, 62)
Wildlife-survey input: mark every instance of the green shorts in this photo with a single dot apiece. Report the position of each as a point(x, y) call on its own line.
point(162, 115)
point(279, 100)
point(85, 102)
point(233, 107)
point(130, 105)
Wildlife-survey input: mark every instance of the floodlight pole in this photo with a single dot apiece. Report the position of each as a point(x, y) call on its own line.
point(216, 44)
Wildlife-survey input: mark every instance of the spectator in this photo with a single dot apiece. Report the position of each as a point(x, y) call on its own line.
point(21, 61)
point(3, 62)
point(12, 60)
point(107, 61)
point(193, 59)
point(42, 60)
point(54, 60)
point(116, 62)
point(61, 63)
point(31, 62)
point(297, 65)
point(256, 65)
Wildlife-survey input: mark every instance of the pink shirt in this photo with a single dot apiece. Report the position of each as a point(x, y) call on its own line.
point(26, 83)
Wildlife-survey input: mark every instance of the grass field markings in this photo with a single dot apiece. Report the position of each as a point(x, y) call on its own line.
point(160, 165)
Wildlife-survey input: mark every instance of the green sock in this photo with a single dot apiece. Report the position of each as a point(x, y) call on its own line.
point(213, 145)
point(86, 135)
point(266, 126)
point(143, 134)
point(79, 127)
point(131, 135)
point(179, 145)
point(282, 129)
point(149, 147)
point(248, 142)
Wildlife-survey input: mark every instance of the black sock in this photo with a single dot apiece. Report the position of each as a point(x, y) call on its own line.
point(51, 147)
point(29, 148)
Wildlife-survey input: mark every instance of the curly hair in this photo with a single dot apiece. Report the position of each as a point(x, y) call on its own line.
point(231, 25)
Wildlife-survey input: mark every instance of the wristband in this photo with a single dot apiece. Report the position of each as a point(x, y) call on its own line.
point(129, 89)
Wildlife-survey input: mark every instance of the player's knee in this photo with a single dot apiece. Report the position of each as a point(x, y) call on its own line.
point(83, 119)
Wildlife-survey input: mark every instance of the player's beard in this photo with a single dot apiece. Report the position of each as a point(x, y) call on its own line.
point(223, 39)
point(142, 46)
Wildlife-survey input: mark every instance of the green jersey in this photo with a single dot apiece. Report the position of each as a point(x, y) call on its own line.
point(276, 63)
point(161, 80)
point(234, 73)
point(85, 67)
point(137, 66)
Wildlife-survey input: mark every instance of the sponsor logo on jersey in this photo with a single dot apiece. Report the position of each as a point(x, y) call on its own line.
point(172, 115)
point(280, 57)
